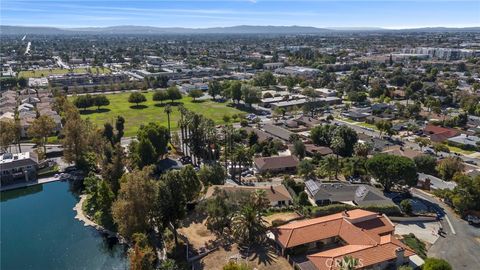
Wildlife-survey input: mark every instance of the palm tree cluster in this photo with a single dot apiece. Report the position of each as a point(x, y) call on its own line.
point(198, 136)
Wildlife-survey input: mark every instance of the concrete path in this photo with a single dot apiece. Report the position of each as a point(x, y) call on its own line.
point(29, 184)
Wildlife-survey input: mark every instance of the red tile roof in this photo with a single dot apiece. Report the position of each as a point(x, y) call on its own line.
point(438, 133)
point(368, 236)
point(276, 162)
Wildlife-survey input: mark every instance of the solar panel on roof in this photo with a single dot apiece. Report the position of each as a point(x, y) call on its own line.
point(312, 186)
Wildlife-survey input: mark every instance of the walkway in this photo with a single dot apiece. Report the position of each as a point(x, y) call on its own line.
point(30, 183)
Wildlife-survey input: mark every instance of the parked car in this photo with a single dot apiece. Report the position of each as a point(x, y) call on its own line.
point(473, 220)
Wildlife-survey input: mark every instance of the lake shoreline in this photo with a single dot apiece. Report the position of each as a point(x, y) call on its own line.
point(88, 222)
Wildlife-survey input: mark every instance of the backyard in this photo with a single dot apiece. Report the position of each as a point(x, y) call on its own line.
point(153, 111)
point(59, 71)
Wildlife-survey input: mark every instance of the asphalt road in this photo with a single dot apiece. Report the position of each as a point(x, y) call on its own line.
point(461, 244)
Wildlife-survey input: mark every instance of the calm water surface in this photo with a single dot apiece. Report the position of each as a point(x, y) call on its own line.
point(39, 231)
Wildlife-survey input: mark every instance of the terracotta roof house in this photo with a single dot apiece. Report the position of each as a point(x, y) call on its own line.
point(397, 150)
point(325, 241)
point(312, 149)
point(275, 164)
point(277, 195)
point(439, 134)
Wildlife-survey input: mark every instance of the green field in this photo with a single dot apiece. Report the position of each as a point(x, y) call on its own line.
point(59, 71)
point(152, 111)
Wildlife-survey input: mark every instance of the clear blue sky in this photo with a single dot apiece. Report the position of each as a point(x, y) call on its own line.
point(199, 13)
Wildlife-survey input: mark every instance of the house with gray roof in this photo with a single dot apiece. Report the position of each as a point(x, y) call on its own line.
point(17, 166)
point(430, 182)
point(465, 140)
point(362, 195)
point(277, 131)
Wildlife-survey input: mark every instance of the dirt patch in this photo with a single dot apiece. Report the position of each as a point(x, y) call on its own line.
point(261, 258)
point(284, 217)
point(198, 235)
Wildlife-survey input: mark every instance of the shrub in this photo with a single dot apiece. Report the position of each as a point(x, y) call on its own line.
point(436, 264)
point(406, 206)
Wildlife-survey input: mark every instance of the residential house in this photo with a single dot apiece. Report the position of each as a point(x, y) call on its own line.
point(439, 134)
point(327, 193)
point(275, 164)
point(277, 131)
point(430, 182)
point(398, 150)
point(465, 141)
point(17, 166)
point(321, 243)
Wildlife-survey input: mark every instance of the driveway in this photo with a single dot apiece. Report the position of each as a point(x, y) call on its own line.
point(461, 244)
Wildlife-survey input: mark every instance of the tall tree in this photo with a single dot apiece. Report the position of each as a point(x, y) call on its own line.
point(174, 93)
point(75, 133)
point(390, 170)
point(120, 126)
point(195, 93)
point(7, 136)
point(250, 95)
point(236, 91)
point(168, 111)
point(132, 211)
point(171, 202)
point(450, 166)
point(160, 95)
point(214, 89)
point(41, 128)
point(136, 98)
point(248, 224)
point(100, 100)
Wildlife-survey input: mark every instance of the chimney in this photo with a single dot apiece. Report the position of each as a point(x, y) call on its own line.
point(400, 254)
point(271, 188)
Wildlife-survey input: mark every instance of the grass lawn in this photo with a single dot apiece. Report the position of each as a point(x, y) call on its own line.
point(414, 243)
point(459, 150)
point(362, 124)
point(152, 111)
point(58, 71)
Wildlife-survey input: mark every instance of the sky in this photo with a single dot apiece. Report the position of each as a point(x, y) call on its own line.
point(213, 13)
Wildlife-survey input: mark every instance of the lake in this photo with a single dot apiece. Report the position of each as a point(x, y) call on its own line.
point(39, 231)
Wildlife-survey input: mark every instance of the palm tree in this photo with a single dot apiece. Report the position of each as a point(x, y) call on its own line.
point(337, 145)
point(168, 111)
point(248, 224)
point(362, 149)
point(329, 166)
point(242, 157)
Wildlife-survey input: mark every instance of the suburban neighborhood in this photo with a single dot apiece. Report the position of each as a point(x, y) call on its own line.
point(211, 149)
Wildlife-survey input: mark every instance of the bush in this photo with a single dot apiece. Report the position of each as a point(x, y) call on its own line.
point(436, 264)
point(278, 222)
point(244, 123)
point(389, 210)
point(414, 243)
point(406, 206)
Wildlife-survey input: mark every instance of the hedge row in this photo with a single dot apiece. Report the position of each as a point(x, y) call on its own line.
point(318, 211)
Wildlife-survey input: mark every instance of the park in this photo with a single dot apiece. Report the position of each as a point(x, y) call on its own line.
point(153, 111)
point(38, 73)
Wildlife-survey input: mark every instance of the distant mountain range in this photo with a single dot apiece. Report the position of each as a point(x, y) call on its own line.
point(241, 29)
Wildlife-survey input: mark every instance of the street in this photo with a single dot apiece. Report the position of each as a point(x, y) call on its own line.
point(460, 246)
